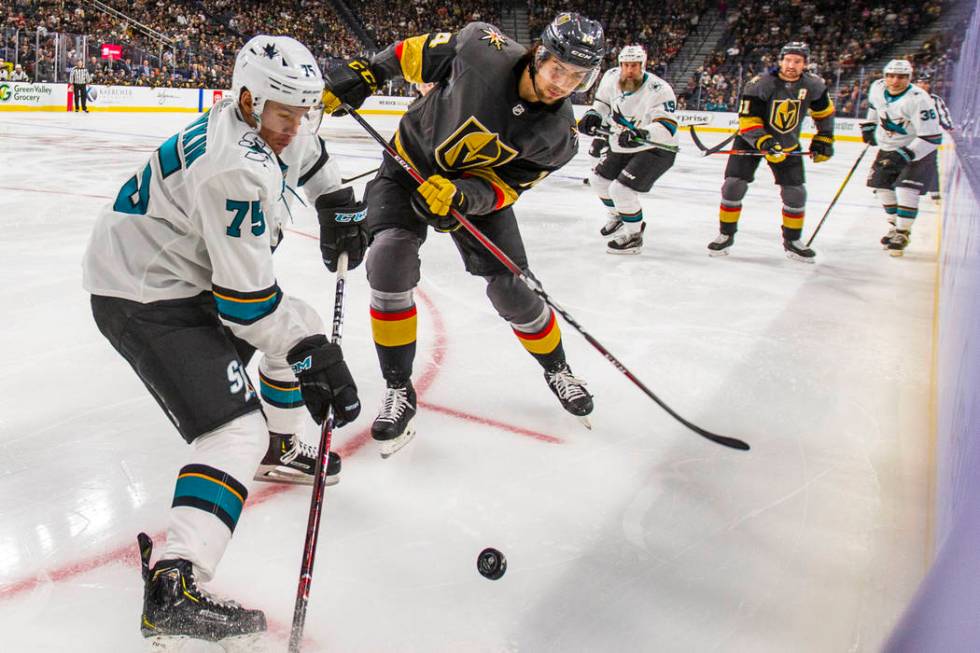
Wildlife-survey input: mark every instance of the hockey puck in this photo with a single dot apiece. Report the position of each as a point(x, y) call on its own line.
point(491, 564)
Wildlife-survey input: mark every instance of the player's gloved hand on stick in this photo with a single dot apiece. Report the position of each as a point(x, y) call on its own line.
point(590, 123)
point(349, 83)
point(822, 148)
point(324, 379)
point(773, 150)
point(868, 135)
point(433, 200)
point(599, 145)
point(343, 227)
point(633, 137)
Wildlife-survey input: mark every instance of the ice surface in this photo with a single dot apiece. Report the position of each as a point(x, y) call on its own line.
point(636, 536)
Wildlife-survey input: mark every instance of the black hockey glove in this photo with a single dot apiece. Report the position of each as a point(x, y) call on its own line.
point(599, 145)
point(868, 135)
point(343, 227)
point(822, 147)
point(350, 83)
point(433, 200)
point(590, 123)
point(633, 137)
point(324, 379)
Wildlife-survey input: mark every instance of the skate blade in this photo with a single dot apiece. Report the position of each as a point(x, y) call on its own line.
point(184, 644)
point(389, 447)
point(801, 259)
point(585, 421)
point(896, 252)
point(631, 250)
point(717, 252)
point(280, 474)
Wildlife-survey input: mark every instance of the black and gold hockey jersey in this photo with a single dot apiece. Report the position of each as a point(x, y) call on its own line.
point(473, 126)
point(771, 105)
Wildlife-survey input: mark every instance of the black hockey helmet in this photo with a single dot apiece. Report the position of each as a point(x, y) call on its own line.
point(578, 41)
point(796, 47)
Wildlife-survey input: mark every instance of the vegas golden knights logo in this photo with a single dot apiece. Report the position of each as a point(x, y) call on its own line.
point(472, 146)
point(785, 115)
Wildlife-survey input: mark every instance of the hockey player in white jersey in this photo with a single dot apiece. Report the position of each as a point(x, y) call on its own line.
point(902, 121)
point(183, 287)
point(639, 107)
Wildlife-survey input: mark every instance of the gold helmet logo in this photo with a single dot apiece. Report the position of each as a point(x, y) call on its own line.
point(785, 115)
point(472, 146)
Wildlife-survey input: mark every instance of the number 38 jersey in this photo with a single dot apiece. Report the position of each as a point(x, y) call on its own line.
point(204, 214)
point(908, 119)
point(650, 107)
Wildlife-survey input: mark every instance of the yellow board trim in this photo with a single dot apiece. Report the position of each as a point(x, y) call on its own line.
point(394, 333)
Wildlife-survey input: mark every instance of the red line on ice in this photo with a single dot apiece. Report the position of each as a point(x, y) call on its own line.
point(129, 554)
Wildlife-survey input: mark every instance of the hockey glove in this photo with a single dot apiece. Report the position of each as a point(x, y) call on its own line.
point(822, 148)
point(598, 147)
point(343, 227)
point(868, 133)
point(433, 200)
point(773, 150)
point(633, 137)
point(324, 379)
point(590, 123)
point(349, 83)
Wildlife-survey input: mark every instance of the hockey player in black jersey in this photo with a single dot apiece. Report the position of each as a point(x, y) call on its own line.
point(498, 122)
point(770, 116)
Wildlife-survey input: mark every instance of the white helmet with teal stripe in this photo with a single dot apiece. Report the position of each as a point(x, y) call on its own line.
point(281, 69)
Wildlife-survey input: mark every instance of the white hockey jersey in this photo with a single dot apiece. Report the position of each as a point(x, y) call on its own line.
point(204, 214)
point(908, 119)
point(650, 107)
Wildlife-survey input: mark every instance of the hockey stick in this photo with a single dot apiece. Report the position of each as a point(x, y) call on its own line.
point(656, 146)
point(536, 287)
point(837, 196)
point(319, 480)
point(754, 153)
point(347, 180)
point(705, 150)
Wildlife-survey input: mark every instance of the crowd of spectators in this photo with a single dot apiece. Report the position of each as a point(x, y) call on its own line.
point(844, 37)
point(197, 39)
point(386, 22)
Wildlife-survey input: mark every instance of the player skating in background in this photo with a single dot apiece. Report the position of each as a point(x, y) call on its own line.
point(497, 123)
point(770, 117)
point(183, 286)
point(924, 81)
point(639, 108)
point(903, 122)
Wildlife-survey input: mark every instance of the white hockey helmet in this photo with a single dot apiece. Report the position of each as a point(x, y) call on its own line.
point(633, 53)
point(281, 69)
point(898, 67)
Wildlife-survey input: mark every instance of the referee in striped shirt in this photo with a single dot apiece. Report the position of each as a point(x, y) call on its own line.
point(79, 77)
point(924, 81)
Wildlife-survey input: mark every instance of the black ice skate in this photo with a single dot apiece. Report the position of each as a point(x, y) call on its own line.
point(720, 245)
point(898, 243)
point(175, 608)
point(611, 227)
point(394, 426)
point(797, 251)
point(887, 238)
point(627, 243)
point(290, 460)
point(570, 391)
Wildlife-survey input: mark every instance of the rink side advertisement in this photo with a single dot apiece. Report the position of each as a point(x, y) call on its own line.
point(58, 97)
